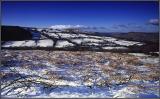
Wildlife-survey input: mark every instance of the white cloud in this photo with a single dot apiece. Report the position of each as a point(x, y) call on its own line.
point(154, 21)
point(66, 26)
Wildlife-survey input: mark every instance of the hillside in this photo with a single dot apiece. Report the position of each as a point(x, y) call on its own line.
point(53, 39)
point(138, 36)
point(69, 63)
point(87, 74)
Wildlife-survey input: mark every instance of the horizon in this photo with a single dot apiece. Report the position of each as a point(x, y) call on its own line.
point(98, 16)
point(86, 31)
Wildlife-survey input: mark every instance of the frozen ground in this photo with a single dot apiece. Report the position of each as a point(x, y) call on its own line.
point(73, 40)
point(37, 73)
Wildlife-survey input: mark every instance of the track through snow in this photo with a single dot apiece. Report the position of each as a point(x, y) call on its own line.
point(61, 74)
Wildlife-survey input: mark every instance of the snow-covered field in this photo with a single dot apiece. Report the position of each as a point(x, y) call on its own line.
point(29, 43)
point(66, 74)
point(63, 40)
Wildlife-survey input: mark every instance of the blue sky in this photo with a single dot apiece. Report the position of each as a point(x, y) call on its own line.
point(112, 16)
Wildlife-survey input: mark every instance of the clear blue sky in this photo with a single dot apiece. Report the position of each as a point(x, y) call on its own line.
point(113, 16)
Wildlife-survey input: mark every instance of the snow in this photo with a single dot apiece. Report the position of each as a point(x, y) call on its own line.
point(53, 30)
point(110, 39)
point(121, 71)
point(13, 43)
point(29, 43)
point(79, 38)
point(19, 43)
point(122, 42)
point(151, 95)
point(53, 35)
point(91, 40)
point(110, 48)
point(127, 43)
point(82, 91)
point(129, 92)
point(142, 68)
point(107, 63)
point(68, 80)
point(45, 43)
point(83, 35)
point(31, 91)
point(155, 52)
point(97, 37)
point(68, 35)
point(134, 91)
point(78, 41)
point(96, 44)
point(64, 82)
point(138, 54)
point(61, 44)
point(65, 35)
point(150, 60)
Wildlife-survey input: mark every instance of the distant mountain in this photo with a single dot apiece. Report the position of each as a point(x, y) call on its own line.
point(138, 36)
point(75, 39)
point(133, 36)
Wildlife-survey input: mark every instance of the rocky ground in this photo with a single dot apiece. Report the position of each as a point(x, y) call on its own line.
point(40, 73)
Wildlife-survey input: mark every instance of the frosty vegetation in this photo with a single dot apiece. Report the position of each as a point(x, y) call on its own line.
point(65, 64)
point(40, 73)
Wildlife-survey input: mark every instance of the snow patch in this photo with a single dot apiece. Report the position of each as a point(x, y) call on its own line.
point(129, 91)
point(61, 44)
point(78, 41)
point(92, 40)
point(45, 43)
point(150, 60)
point(122, 42)
point(110, 48)
point(13, 43)
point(65, 35)
point(138, 54)
point(127, 43)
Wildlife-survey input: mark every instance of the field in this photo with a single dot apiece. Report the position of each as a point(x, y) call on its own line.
point(100, 49)
point(70, 63)
point(40, 73)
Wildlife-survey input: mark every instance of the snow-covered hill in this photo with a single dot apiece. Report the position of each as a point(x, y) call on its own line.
point(89, 68)
point(62, 39)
